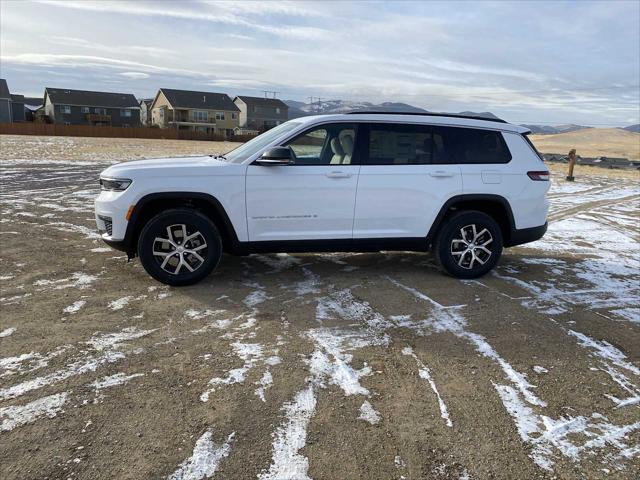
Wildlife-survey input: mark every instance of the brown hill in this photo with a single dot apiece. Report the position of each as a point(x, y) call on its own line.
point(592, 142)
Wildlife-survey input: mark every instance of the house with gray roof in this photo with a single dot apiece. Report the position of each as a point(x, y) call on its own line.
point(205, 112)
point(259, 113)
point(83, 107)
point(145, 111)
point(6, 103)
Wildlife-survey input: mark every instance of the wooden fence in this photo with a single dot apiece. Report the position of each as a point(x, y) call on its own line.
point(49, 129)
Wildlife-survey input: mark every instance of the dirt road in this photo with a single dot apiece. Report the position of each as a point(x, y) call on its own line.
point(334, 366)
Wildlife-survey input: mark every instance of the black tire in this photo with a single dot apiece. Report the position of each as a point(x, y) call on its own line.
point(206, 245)
point(463, 259)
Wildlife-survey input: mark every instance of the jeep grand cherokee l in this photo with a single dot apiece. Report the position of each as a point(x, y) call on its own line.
point(463, 187)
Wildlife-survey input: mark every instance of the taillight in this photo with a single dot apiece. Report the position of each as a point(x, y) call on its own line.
point(541, 176)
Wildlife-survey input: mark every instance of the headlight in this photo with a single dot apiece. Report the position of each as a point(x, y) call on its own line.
point(117, 184)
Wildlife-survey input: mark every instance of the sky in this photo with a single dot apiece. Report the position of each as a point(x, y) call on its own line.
point(541, 62)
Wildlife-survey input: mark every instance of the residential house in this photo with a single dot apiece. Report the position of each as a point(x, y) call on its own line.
point(145, 111)
point(258, 113)
point(17, 108)
point(205, 112)
point(31, 106)
point(5, 102)
point(81, 107)
point(11, 105)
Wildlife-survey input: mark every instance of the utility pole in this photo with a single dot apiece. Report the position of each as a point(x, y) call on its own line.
point(318, 106)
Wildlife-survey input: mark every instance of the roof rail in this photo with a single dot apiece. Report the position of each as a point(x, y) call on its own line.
point(427, 114)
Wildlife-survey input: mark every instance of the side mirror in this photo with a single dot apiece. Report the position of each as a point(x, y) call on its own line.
point(276, 156)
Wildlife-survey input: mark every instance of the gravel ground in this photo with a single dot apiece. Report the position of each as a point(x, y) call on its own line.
point(329, 366)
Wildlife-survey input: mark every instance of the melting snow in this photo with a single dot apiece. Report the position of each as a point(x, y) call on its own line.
point(76, 280)
point(7, 331)
point(114, 380)
point(74, 307)
point(251, 353)
point(120, 303)
point(87, 363)
point(18, 415)
point(369, 414)
point(204, 460)
point(265, 382)
point(425, 374)
point(287, 463)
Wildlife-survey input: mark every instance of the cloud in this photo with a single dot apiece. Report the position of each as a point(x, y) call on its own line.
point(228, 13)
point(135, 75)
point(515, 58)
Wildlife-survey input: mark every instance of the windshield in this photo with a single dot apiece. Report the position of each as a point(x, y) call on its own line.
point(253, 146)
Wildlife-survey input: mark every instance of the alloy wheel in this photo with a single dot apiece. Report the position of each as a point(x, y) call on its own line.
point(183, 248)
point(471, 247)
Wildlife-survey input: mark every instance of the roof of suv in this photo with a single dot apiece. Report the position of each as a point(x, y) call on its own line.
point(430, 119)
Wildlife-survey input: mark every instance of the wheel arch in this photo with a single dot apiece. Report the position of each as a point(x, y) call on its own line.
point(154, 203)
point(496, 206)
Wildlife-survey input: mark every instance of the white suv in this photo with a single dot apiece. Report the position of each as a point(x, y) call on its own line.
point(463, 187)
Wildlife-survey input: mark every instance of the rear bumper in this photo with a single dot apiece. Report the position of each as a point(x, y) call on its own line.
point(526, 235)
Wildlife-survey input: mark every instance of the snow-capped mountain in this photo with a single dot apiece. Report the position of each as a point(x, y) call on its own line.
point(551, 130)
point(300, 109)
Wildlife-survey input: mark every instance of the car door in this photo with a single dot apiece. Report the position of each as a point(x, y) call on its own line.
point(314, 197)
point(406, 177)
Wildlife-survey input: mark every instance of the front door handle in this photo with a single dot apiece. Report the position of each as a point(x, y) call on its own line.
point(442, 174)
point(337, 174)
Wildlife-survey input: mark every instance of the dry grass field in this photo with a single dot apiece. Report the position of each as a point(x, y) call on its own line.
point(592, 142)
point(87, 149)
point(328, 366)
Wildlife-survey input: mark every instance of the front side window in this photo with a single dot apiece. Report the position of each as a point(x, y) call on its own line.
point(65, 108)
point(278, 110)
point(219, 115)
point(125, 112)
point(332, 144)
point(100, 111)
point(396, 144)
point(234, 116)
point(84, 109)
point(255, 145)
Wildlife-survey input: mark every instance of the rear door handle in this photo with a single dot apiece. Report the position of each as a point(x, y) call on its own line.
point(337, 174)
point(442, 174)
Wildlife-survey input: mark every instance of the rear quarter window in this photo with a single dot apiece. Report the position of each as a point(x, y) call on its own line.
point(476, 146)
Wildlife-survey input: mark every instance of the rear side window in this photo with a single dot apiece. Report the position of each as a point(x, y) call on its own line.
point(475, 146)
point(396, 144)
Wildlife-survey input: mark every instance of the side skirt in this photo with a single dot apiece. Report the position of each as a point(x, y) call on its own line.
point(418, 244)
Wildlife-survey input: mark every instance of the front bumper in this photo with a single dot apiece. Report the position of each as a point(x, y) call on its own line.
point(111, 215)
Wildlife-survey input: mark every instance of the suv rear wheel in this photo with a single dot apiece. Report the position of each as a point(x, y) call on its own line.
point(179, 247)
point(468, 245)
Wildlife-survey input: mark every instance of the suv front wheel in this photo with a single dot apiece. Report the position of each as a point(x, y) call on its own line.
point(179, 247)
point(468, 245)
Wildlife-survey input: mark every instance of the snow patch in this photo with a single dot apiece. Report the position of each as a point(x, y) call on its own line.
point(7, 331)
point(74, 307)
point(287, 463)
point(205, 459)
point(18, 415)
point(265, 382)
point(76, 280)
point(425, 374)
point(369, 414)
point(120, 303)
